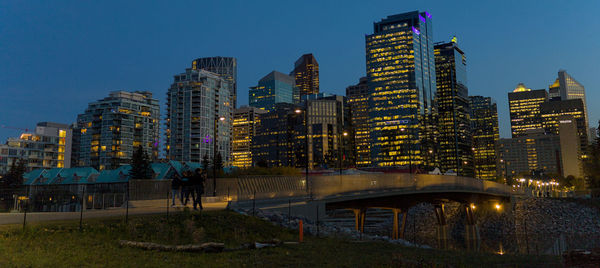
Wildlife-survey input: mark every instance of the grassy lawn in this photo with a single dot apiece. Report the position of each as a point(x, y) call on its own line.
point(61, 244)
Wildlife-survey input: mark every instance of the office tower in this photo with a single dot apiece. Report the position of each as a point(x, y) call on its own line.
point(112, 128)
point(524, 105)
point(533, 151)
point(552, 111)
point(593, 135)
point(199, 118)
point(455, 142)
point(279, 139)
point(274, 88)
point(484, 128)
point(328, 120)
point(565, 87)
point(245, 122)
point(48, 147)
point(570, 150)
point(358, 100)
point(401, 78)
point(306, 75)
point(226, 67)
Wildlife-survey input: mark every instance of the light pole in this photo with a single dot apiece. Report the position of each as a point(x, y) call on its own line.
point(298, 111)
point(505, 170)
point(344, 134)
point(217, 119)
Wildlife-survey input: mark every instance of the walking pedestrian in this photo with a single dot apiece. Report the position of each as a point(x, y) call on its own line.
point(186, 188)
point(176, 188)
point(199, 178)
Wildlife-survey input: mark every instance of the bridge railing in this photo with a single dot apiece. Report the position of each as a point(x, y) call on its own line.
point(319, 187)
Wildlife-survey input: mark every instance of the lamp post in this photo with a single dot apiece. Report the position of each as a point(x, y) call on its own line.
point(217, 119)
point(505, 170)
point(298, 111)
point(342, 147)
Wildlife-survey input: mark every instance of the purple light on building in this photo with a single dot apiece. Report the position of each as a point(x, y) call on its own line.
point(428, 15)
point(421, 18)
point(207, 139)
point(415, 30)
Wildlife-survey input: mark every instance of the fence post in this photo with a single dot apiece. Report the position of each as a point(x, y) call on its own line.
point(289, 211)
point(254, 203)
point(526, 237)
point(168, 205)
point(81, 211)
point(127, 204)
point(317, 220)
point(25, 213)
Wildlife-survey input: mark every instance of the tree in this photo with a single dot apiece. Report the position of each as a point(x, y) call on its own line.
point(140, 165)
point(205, 162)
point(14, 177)
point(218, 163)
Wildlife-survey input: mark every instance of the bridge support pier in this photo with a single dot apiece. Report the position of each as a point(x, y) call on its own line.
point(359, 219)
point(472, 237)
point(397, 228)
point(442, 226)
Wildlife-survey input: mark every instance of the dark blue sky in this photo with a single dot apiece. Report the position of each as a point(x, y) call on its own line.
point(56, 56)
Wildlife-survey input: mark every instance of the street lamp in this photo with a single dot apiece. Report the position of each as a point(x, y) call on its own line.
point(344, 134)
point(217, 119)
point(299, 111)
point(505, 170)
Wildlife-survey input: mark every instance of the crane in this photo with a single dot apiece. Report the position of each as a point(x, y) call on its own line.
point(15, 128)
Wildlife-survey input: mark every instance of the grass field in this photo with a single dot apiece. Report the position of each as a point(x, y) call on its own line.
point(62, 244)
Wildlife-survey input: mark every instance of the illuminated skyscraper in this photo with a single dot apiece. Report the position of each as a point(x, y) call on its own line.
point(484, 128)
point(274, 88)
point(306, 74)
point(198, 117)
point(245, 121)
point(358, 99)
point(226, 67)
point(551, 112)
point(565, 87)
point(112, 128)
point(524, 105)
point(533, 151)
point(455, 143)
point(402, 85)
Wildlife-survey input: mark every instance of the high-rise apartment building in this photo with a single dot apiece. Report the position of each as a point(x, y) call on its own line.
point(306, 74)
point(245, 122)
point(48, 147)
point(455, 149)
point(199, 117)
point(552, 111)
point(401, 79)
point(112, 128)
point(358, 100)
point(484, 128)
point(524, 105)
point(226, 67)
point(274, 88)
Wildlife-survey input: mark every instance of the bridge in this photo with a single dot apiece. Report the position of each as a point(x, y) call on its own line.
point(397, 192)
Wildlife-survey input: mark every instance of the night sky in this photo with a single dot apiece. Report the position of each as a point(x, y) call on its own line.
point(57, 56)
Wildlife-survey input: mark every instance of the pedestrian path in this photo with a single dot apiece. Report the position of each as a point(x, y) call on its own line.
point(135, 208)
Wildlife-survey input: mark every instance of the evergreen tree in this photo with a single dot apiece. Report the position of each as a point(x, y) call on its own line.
point(205, 162)
point(14, 177)
point(218, 163)
point(140, 165)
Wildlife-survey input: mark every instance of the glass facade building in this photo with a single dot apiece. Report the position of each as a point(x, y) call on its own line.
point(274, 88)
point(306, 75)
point(245, 121)
point(358, 100)
point(226, 67)
point(112, 128)
point(199, 117)
point(484, 128)
point(553, 110)
point(524, 105)
point(401, 79)
point(455, 150)
point(565, 87)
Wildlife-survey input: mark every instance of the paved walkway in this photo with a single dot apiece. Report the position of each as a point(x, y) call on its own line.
point(136, 208)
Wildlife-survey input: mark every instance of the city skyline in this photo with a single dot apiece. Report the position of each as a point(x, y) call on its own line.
point(75, 80)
